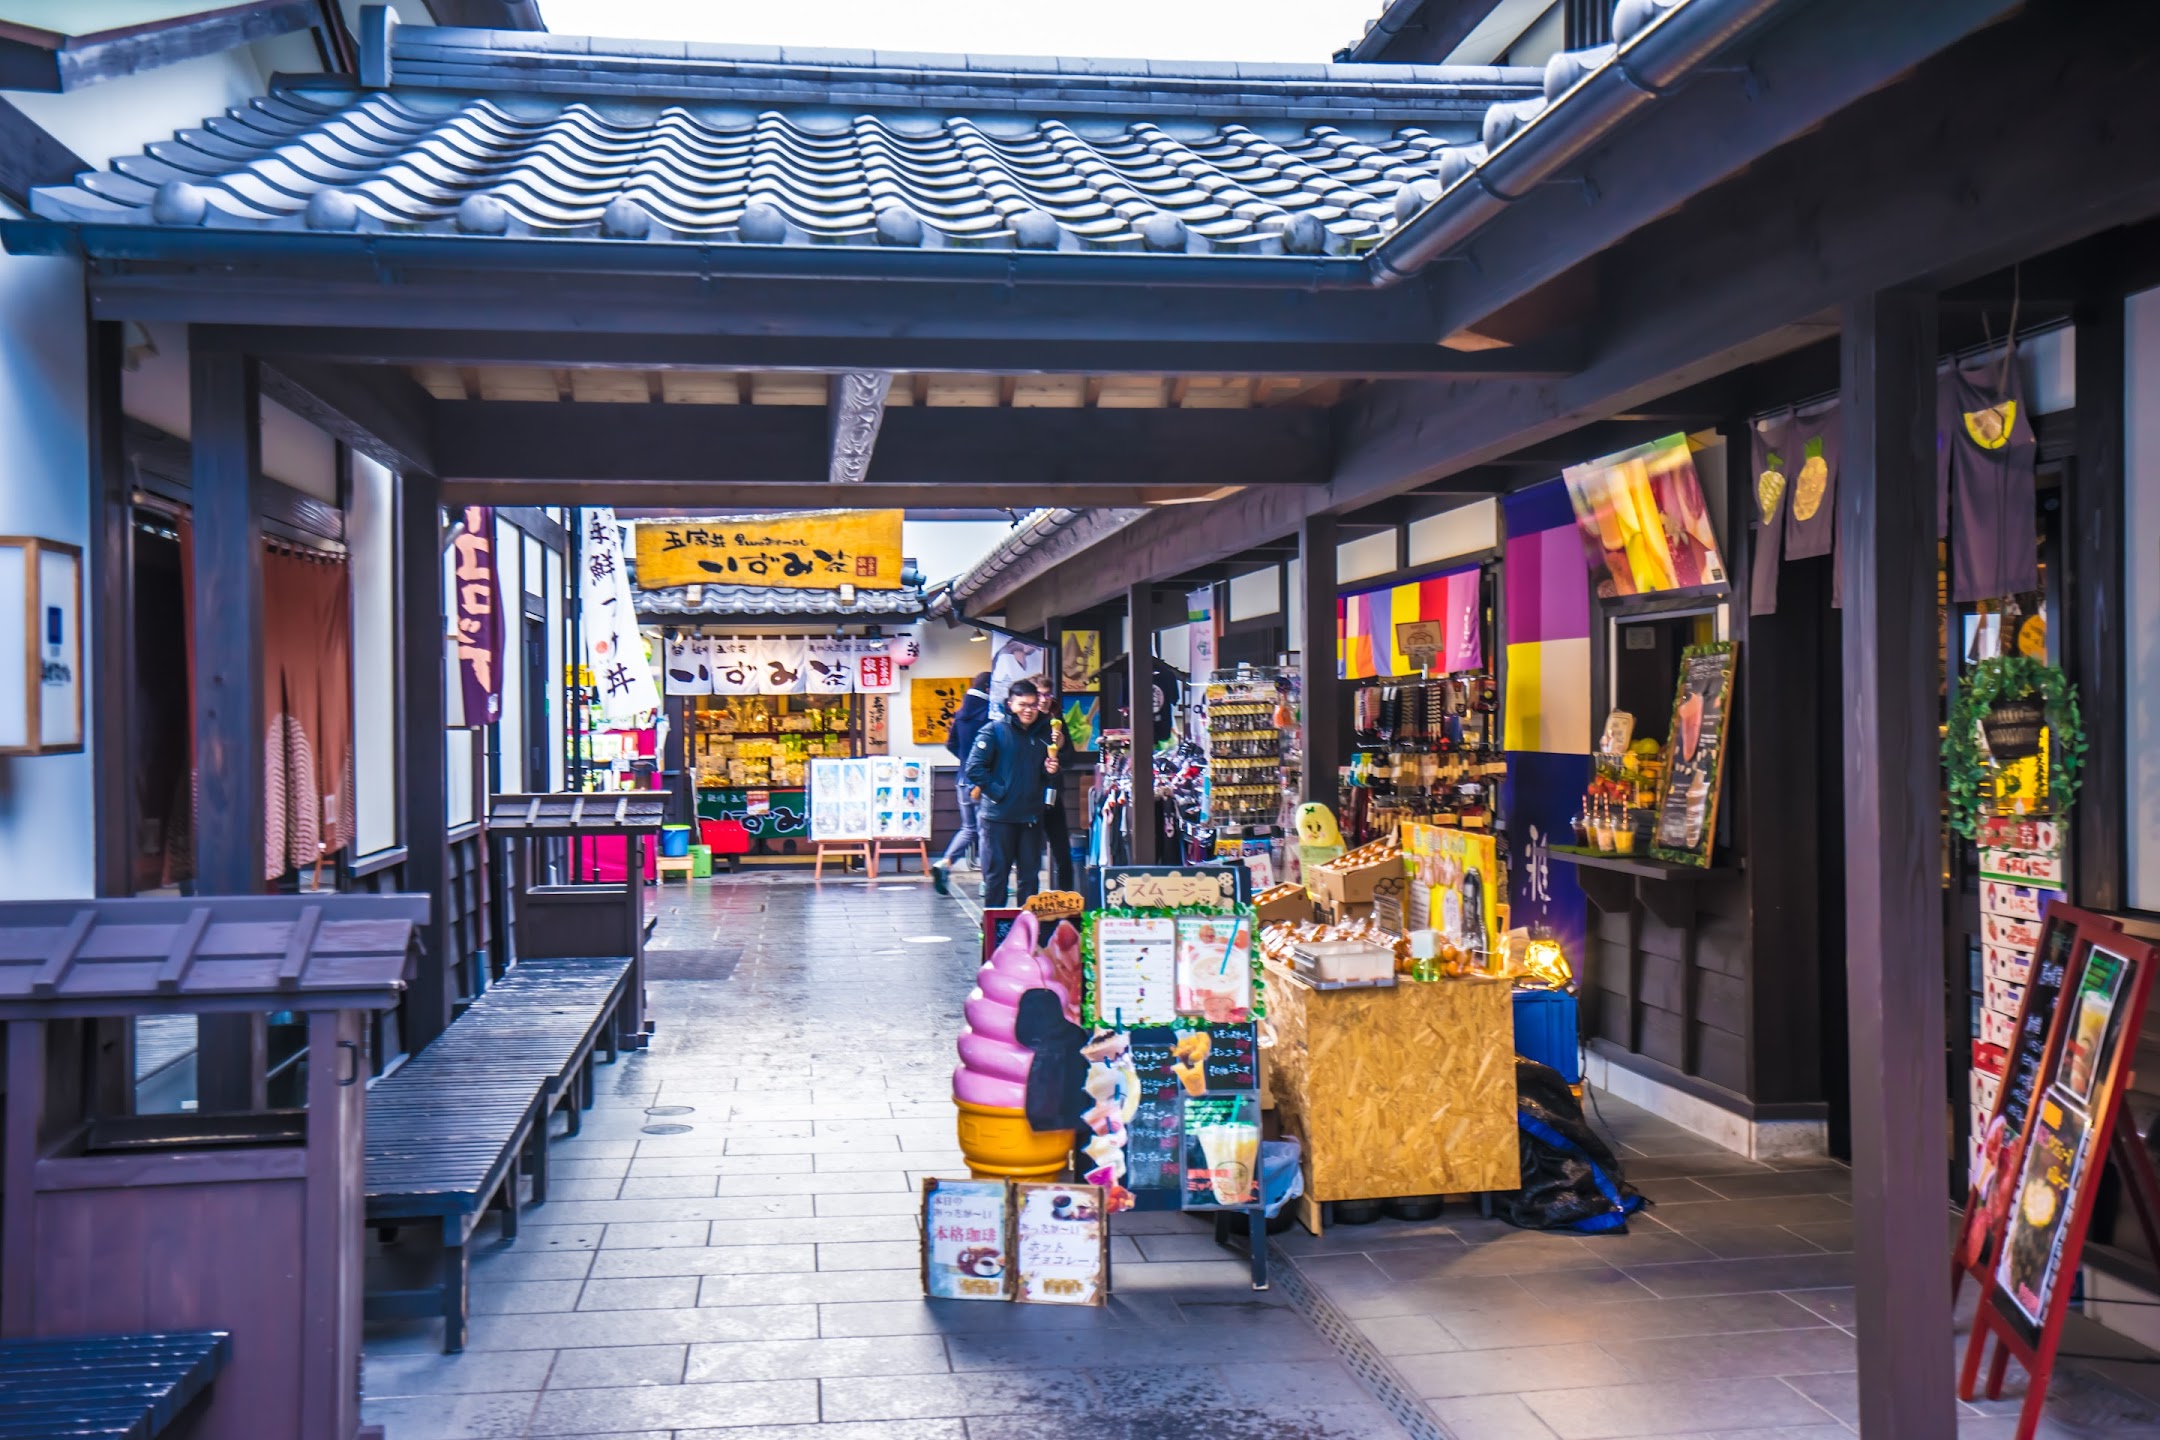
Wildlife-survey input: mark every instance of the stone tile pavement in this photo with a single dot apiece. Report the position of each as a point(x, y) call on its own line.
point(730, 1251)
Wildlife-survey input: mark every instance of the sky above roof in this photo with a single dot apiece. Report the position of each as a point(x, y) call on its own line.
point(1310, 31)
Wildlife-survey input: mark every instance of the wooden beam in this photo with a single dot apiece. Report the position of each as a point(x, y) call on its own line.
point(378, 410)
point(855, 411)
point(111, 617)
point(1027, 349)
point(1017, 450)
point(702, 496)
point(1756, 268)
point(1320, 716)
point(1893, 889)
point(36, 59)
point(2093, 513)
point(29, 157)
point(423, 822)
point(1139, 700)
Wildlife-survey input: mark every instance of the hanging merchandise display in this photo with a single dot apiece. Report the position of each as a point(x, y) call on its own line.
point(1986, 472)
point(613, 646)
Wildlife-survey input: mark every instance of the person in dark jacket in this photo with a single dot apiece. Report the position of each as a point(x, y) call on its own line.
point(1008, 769)
point(968, 721)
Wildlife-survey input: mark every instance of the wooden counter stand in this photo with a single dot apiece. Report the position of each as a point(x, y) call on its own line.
point(1402, 1090)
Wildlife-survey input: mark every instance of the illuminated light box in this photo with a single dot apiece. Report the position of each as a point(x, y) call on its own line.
point(41, 696)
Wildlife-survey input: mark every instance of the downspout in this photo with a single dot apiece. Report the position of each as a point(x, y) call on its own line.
point(1527, 142)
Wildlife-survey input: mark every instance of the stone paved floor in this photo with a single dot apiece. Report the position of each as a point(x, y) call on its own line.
point(753, 1273)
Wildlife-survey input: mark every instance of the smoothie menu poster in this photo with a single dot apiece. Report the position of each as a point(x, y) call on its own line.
point(1688, 797)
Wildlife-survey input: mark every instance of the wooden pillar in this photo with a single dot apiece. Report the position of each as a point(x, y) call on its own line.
point(1893, 887)
point(112, 622)
point(1140, 692)
point(2093, 512)
point(1317, 665)
point(429, 1004)
point(226, 440)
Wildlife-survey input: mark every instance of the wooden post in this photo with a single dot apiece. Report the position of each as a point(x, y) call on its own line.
point(224, 410)
point(2094, 655)
point(1140, 692)
point(1893, 885)
point(1317, 663)
point(429, 1004)
point(112, 621)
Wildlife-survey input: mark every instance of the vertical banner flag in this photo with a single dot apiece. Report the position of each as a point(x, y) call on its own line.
point(479, 618)
point(613, 646)
point(1200, 615)
point(1546, 711)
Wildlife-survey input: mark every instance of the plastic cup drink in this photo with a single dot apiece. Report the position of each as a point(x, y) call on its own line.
point(1230, 1151)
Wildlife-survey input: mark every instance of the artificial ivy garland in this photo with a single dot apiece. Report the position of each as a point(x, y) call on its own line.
point(1965, 757)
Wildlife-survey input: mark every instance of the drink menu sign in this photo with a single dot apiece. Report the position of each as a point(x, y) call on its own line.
point(1687, 800)
point(2047, 1143)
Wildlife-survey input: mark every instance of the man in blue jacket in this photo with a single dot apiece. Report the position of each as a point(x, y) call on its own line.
point(968, 721)
point(1008, 769)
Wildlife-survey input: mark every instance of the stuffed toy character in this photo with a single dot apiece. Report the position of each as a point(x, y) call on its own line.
point(1319, 838)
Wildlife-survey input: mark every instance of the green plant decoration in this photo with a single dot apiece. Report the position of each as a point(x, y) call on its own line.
point(1965, 757)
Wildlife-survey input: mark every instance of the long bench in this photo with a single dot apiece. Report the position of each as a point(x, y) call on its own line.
point(451, 1134)
point(126, 1387)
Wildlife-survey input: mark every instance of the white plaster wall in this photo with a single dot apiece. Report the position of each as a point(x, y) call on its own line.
point(2141, 557)
point(156, 392)
point(371, 539)
point(46, 809)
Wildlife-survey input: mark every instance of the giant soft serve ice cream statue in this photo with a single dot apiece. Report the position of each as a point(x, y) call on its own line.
point(990, 1083)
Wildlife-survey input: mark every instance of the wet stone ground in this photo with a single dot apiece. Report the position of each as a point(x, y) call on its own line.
point(743, 1261)
point(730, 1251)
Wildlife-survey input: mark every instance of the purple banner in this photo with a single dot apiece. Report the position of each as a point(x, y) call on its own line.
point(479, 617)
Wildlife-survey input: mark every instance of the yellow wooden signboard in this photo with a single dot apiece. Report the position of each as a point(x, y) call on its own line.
point(934, 704)
point(816, 550)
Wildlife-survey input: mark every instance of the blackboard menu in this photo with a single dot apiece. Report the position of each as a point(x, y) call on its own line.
point(2022, 1074)
point(1233, 1061)
point(1152, 1147)
point(1695, 755)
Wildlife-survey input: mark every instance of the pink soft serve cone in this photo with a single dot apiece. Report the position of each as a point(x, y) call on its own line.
point(993, 1066)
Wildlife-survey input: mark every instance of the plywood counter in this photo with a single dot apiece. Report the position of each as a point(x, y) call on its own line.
point(1408, 1090)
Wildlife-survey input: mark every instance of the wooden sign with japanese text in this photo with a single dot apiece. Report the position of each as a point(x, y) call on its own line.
point(814, 550)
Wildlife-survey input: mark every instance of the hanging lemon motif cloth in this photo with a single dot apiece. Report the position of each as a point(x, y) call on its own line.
point(1987, 455)
point(1769, 446)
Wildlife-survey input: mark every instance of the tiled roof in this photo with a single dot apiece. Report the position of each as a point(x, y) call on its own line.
point(510, 133)
point(693, 600)
point(513, 133)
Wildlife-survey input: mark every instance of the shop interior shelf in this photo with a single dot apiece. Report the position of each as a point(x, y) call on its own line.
point(1646, 867)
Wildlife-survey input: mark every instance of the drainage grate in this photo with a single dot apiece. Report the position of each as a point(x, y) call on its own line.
point(669, 1109)
point(665, 1130)
point(1356, 1350)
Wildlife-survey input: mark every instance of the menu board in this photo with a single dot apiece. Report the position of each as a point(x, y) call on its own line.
point(1173, 887)
point(1222, 1151)
point(1135, 969)
point(966, 1240)
point(1688, 795)
point(1061, 1244)
point(1151, 1143)
point(1215, 967)
point(883, 797)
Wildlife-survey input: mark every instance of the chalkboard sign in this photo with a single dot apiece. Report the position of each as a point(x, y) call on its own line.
point(1233, 1060)
point(1151, 1145)
point(1687, 803)
point(2041, 994)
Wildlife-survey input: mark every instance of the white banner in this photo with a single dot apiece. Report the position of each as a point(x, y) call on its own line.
point(734, 665)
point(781, 663)
point(613, 647)
point(831, 666)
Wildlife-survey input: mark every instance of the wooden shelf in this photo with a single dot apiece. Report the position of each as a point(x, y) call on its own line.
point(1645, 867)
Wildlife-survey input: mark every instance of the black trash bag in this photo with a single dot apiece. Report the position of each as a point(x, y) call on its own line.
point(1570, 1178)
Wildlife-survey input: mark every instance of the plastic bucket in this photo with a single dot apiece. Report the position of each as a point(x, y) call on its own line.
point(675, 840)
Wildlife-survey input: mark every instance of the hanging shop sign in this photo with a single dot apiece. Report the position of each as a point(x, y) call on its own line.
point(1642, 520)
point(830, 662)
point(478, 634)
point(814, 550)
point(41, 686)
point(1687, 802)
point(878, 659)
point(1168, 887)
point(1370, 626)
point(933, 703)
point(1079, 657)
point(614, 648)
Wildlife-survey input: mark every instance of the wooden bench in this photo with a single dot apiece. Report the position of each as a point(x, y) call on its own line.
point(127, 1387)
point(452, 1133)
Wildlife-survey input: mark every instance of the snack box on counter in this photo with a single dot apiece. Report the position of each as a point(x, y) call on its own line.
point(1283, 902)
point(1343, 962)
point(1997, 1028)
point(2000, 962)
point(2017, 902)
point(2017, 934)
point(1355, 883)
point(2002, 996)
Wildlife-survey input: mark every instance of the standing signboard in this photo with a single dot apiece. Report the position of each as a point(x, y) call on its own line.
point(2055, 1125)
point(967, 1240)
point(1061, 1244)
point(884, 797)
